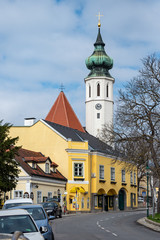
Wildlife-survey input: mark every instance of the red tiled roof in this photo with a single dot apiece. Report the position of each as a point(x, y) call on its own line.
point(37, 159)
point(25, 156)
point(63, 114)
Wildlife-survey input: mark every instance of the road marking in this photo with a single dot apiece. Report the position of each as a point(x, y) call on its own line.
point(114, 234)
point(107, 230)
point(102, 228)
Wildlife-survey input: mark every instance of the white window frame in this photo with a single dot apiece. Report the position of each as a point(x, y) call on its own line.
point(39, 196)
point(79, 169)
point(101, 171)
point(19, 194)
point(112, 174)
point(123, 176)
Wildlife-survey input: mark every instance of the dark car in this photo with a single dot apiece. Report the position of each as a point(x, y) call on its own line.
point(52, 208)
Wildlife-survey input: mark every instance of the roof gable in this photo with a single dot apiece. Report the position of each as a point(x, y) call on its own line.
point(63, 114)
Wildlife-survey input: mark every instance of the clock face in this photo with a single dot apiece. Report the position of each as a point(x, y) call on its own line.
point(98, 106)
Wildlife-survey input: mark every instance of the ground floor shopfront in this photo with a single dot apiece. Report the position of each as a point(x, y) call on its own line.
point(80, 200)
point(112, 200)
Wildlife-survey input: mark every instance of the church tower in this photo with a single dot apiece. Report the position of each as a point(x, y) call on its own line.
point(99, 88)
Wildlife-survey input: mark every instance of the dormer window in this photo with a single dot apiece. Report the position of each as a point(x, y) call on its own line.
point(47, 168)
point(54, 169)
point(33, 165)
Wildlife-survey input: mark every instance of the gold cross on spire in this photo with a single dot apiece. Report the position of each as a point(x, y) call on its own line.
point(99, 16)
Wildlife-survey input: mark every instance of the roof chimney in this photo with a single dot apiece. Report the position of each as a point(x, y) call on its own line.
point(29, 121)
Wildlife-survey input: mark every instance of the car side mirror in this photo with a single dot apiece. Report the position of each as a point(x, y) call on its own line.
point(43, 229)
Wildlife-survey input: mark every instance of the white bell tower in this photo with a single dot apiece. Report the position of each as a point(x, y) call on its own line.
point(99, 89)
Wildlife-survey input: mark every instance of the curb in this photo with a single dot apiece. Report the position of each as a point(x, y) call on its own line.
point(149, 224)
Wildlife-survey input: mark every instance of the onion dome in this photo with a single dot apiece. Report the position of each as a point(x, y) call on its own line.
point(99, 62)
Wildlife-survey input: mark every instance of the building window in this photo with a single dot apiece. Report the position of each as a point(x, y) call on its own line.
point(98, 115)
point(18, 194)
point(33, 165)
point(89, 91)
point(101, 172)
point(78, 169)
point(39, 196)
point(112, 174)
point(134, 178)
point(82, 203)
point(87, 202)
point(96, 201)
point(98, 89)
point(131, 177)
point(47, 167)
point(107, 90)
point(49, 194)
point(123, 175)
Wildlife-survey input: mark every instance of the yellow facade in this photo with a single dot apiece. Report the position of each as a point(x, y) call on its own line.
point(85, 190)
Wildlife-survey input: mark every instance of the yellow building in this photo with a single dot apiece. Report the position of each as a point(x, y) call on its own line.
point(94, 182)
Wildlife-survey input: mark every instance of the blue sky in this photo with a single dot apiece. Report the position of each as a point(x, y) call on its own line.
point(44, 43)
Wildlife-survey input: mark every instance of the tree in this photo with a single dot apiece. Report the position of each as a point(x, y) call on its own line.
point(136, 131)
point(8, 166)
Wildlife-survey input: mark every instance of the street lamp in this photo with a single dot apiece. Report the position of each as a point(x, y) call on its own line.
point(147, 168)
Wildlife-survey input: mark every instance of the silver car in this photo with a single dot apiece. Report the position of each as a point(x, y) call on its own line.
point(19, 220)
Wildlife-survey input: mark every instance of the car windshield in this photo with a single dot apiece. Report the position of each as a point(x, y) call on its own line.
point(36, 213)
point(22, 223)
point(11, 205)
point(49, 205)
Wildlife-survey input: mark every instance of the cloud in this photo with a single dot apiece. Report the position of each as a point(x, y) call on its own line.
point(45, 43)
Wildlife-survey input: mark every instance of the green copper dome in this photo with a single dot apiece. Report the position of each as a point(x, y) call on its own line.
point(99, 62)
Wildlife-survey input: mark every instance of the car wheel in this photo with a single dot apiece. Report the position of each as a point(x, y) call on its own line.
point(60, 216)
point(52, 236)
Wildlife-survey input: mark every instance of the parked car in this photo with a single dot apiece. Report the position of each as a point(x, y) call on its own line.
point(40, 217)
point(12, 220)
point(52, 208)
point(16, 202)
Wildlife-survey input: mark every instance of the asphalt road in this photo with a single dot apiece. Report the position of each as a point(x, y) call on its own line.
point(111, 226)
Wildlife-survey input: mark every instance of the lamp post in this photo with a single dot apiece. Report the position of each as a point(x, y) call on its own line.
point(147, 168)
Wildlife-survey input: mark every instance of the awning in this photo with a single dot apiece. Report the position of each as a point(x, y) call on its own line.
point(77, 189)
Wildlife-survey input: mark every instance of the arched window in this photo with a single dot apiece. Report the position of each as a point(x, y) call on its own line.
point(98, 89)
point(107, 88)
point(89, 91)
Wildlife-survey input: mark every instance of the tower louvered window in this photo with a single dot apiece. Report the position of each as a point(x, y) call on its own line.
point(107, 91)
point(98, 89)
point(89, 91)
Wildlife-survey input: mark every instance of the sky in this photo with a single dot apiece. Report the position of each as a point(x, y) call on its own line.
point(44, 44)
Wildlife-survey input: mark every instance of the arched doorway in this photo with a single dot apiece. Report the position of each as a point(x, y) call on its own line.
point(110, 199)
point(122, 199)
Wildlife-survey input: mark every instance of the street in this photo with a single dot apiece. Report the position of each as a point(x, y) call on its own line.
point(105, 225)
